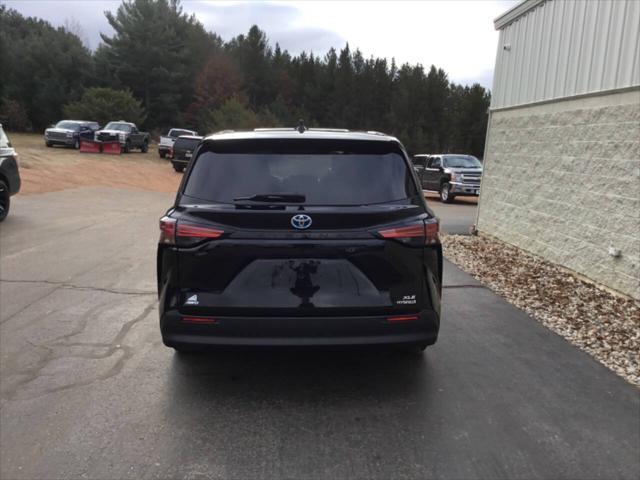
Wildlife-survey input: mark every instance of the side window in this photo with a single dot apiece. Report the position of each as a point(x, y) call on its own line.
point(435, 162)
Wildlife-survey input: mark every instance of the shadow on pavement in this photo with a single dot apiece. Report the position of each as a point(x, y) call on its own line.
point(318, 375)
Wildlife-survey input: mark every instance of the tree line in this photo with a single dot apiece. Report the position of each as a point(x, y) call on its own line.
point(163, 68)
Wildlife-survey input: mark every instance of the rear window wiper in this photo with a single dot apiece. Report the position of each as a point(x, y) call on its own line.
point(273, 197)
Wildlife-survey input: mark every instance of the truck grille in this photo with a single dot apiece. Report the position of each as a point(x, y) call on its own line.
point(57, 135)
point(102, 136)
point(471, 178)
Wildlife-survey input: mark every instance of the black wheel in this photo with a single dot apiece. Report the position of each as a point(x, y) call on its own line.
point(162, 153)
point(445, 193)
point(127, 146)
point(5, 200)
point(145, 147)
point(48, 144)
point(76, 144)
point(178, 168)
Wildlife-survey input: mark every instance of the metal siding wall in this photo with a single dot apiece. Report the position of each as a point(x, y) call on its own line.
point(563, 48)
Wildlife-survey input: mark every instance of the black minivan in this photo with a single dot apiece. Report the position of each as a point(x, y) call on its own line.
point(304, 237)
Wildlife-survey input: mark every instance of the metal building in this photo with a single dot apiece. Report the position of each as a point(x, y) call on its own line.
point(562, 161)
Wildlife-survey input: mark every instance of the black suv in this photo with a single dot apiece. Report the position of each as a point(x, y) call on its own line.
point(182, 151)
point(282, 238)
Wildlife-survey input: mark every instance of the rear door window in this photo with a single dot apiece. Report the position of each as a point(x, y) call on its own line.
point(333, 178)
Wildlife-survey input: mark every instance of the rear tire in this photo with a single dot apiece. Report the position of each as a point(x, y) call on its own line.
point(416, 350)
point(445, 193)
point(185, 349)
point(48, 144)
point(145, 147)
point(5, 200)
point(178, 168)
point(162, 154)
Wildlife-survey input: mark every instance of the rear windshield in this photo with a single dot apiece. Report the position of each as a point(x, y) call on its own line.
point(186, 143)
point(336, 178)
point(175, 133)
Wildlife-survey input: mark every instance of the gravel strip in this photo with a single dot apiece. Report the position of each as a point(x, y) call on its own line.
point(604, 324)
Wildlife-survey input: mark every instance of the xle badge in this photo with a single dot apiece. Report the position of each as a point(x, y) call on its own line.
point(192, 300)
point(407, 300)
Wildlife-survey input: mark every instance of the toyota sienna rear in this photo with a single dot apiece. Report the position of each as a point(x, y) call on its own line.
point(282, 238)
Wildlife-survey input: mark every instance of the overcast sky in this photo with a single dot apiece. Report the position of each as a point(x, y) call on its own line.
point(456, 35)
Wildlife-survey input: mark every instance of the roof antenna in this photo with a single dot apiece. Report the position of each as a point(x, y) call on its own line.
point(301, 128)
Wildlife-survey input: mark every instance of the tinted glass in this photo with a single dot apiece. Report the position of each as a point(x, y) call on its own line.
point(175, 133)
point(186, 144)
point(68, 125)
point(435, 163)
point(462, 161)
point(325, 179)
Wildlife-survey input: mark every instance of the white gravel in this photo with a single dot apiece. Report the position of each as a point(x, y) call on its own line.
point(602, 323)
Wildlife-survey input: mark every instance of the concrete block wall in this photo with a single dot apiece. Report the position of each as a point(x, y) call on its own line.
point(562, 181)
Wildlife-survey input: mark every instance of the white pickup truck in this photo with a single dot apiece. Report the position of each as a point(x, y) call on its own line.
point(166, 141)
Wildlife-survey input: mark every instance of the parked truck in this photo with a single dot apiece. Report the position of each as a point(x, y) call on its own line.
point(167, 141)
point(126, 133)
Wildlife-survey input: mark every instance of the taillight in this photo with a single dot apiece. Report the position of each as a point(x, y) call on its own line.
point(199, 320)
point(431, 229)
point(425, 232)
point(192, 231)
point(168, 230)
point(173, 232)
point(402, 318)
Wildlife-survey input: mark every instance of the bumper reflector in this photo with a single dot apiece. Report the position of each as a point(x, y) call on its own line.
point(402, 318)
point(199, 320)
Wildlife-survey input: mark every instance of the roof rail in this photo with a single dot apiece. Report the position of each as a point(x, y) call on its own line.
point(374, 132)
point(330, 129)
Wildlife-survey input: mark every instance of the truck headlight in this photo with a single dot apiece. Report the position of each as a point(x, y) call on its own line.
point(454, 176)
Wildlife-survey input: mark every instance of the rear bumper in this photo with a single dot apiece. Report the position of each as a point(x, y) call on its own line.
point(300, 331)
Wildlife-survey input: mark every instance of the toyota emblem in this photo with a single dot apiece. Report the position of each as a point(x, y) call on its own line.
point(301, 221)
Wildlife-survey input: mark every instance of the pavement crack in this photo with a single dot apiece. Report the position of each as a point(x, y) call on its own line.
point(48, 354)
point(3, 321)
point(83, 287)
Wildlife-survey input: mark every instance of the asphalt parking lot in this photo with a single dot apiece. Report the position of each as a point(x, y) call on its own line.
point(87, 390)
point(457, 217)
